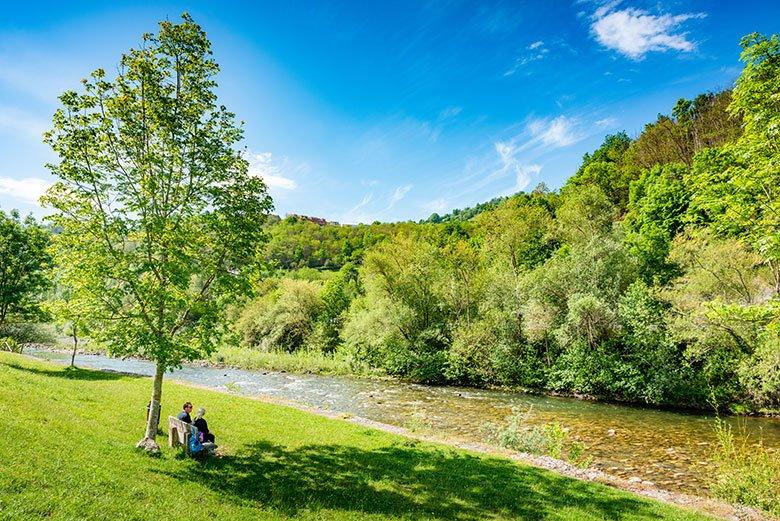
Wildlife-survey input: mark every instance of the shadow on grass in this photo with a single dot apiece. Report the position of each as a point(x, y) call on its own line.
point(402, 480)
point(72, 373)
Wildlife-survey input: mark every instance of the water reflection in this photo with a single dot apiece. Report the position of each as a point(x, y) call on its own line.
point(668, 448)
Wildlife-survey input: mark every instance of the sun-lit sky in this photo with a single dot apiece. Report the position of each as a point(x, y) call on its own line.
point(363, 111)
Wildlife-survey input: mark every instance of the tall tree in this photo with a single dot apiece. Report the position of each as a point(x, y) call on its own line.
point(160, 218)
point(23, 263)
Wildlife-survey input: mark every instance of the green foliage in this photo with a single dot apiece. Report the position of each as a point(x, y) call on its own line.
point(27, 333)
point(746, 472)
point(656, 213)
point(296, 243)
point(542, 440)
point(302, 361)
point(24, 260)
point(719, 310)
point(693, 126)
point(607, 169)
point(283, 319)
point(337, 294)
point(159, 215)
point(11, 345)
point(584, 214)
point(160, 219)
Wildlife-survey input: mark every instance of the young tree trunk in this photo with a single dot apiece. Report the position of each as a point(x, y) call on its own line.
point(148, 443)
point(75, 347)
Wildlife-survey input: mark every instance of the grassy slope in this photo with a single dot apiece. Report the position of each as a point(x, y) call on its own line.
point(68, 454)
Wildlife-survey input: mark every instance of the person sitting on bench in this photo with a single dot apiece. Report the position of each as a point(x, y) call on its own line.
point(184, 415)
point(203, 427)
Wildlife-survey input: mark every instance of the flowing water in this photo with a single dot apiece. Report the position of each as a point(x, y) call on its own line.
point(668, 448)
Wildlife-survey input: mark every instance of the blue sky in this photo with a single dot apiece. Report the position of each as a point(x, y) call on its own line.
point(363, 111)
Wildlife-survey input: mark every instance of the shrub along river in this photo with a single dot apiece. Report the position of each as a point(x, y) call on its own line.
point(671, 449)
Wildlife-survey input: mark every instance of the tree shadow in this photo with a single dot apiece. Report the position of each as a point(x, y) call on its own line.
point(73, 373)
point(402, 480)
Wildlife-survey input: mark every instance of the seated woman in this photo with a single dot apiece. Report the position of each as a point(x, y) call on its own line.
point(203, 427)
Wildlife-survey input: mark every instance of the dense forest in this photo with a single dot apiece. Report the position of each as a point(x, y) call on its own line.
point(652, 276)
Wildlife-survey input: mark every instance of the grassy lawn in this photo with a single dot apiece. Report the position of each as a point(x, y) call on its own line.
point(69, 454)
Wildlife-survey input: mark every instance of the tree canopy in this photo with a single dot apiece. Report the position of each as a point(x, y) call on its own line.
point(160, 219)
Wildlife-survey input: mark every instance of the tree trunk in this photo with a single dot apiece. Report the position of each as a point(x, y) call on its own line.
point(148, 443)
point(75, 347)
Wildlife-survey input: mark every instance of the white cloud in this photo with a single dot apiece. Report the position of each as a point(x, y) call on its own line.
point(21, 122)
point(436, 205)
point(510, 164)
point(263, 165)
point(399, 193)
point(635, 32)
point(606, 122)
point(534, 52)
point(556, 133)
point(450, 112)
point(28, 190)
point(363, 202)
point(355, 214)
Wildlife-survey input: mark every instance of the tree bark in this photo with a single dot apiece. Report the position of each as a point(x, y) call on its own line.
point(75, 347)
point(148, 442)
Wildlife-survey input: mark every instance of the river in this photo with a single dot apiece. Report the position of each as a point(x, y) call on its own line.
point(668, 448)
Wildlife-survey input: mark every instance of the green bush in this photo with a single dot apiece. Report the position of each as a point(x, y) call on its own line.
point(28, 333)
point(542, 440)
point(283, 319)
point(9, 344)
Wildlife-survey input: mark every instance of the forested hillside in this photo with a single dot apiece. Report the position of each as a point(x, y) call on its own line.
point(651, 276)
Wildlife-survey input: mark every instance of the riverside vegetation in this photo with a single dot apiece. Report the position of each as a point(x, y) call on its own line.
point(652, 276)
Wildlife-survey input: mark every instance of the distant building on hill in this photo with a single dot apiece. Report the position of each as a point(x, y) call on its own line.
point(315, 220)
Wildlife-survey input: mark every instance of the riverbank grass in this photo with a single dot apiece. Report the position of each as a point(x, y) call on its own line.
point(302, 362)
point(69, 454)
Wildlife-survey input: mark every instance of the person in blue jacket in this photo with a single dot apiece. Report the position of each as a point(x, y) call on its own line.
point(184, 415)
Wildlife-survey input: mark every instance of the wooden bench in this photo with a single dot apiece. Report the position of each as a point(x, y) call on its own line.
point(179, 433)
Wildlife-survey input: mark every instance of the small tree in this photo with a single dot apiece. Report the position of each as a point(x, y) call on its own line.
point(23, 264)
point(160, 218)
point(72, 315)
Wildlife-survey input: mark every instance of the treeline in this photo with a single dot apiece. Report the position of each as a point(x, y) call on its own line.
point(652, 276)
point(295, 243)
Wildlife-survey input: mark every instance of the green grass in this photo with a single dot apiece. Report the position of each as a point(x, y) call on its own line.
point(68, 453)
point(746, 472)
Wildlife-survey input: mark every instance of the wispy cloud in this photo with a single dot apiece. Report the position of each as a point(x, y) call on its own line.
point(557, 132)
point(397, 195)
point(534, 52)
point(28, 190)
point(263, 165)
point(635, 32)
point(449, 113)
point(510, 163)
point(357, 214)
point(606, 122)
point(436, 205)
point(513, 162)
